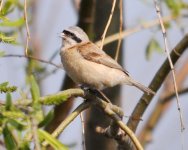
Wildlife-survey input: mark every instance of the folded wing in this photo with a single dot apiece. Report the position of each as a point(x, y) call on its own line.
point(93, 53)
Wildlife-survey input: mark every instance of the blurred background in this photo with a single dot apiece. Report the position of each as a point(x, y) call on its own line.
point(142, 54)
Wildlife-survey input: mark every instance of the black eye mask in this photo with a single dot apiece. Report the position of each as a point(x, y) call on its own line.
point(72, 35)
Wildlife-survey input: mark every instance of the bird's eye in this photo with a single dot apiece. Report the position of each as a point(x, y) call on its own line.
point(72, 35)
point(67, 32)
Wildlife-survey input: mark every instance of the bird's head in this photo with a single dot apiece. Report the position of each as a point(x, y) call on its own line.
point(73, 35)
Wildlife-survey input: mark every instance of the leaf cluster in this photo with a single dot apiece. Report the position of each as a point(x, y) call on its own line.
point(15, 118)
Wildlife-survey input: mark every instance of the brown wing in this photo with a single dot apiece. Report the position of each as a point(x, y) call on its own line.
point(91, 52)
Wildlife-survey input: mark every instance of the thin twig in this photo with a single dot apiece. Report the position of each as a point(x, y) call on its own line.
point(138, 28)
point(35, 134)
point(47, 74)
point(1, 5)
point(120, 29)
point(157, 81)
point(104, 96)
point(34, 58)
point(163, 103)
point(27, 28)
point(145, 136)
point(108, 24)
point(83, 131)
point(171, 96)
point(170, 62)
point(68, 120)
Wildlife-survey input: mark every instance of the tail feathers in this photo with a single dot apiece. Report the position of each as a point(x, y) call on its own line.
point(142, 87)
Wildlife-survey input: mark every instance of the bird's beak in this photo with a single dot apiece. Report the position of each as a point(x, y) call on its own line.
point(62, 35)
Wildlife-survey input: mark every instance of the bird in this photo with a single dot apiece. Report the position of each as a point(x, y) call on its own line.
point(89, 66)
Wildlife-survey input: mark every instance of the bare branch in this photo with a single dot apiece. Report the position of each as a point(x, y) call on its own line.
point(171, 96)
point(34, 58)
point(145, 136)
point(157, 82)
point(1, 5)
point(108, 23)
point(170, 61)
point(130, 31)
point(68, 120)
point(83, 131)
point(27, 27)
point(112, 113)
point(120, 29)
point(35, 134)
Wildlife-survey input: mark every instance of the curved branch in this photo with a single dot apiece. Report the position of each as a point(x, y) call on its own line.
point(111, 112)
point(53, 99)
point(145, 136)
point(157, 82)
point(68, 120)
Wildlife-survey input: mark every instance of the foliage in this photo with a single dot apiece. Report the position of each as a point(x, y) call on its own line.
point(152, 46)
point(4, 88)
point(16, 123)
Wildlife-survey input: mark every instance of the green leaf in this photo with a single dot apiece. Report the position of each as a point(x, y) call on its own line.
point(7, 8)
point(8, 101)
point(10, 39)
point(47, 119)
point(13, 114)
point(153, 46)
point(5, 89)
point(60, 97)
point(34, 89)
point(9, 139)
point(4, 84)
point(2, 53)
point(17, 23)
point(37, 108)
point(175, 6)
point(24, 146)
point(17, 124)
point(51, 140)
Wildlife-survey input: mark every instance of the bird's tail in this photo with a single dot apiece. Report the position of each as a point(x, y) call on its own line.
point(142, 87)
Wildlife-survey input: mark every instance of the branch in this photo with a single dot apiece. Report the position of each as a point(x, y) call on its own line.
point(110, 110)
point(68, 120)
point(157, 82)
point(130, 31)
point(108, 24)
point(161, 107)
point(27, 27)
point(112, 113)
point(145, 135)
point(171, 96)
point(120, 29)
point(54, 99)
point(170, 61)
point(1, 5)
point(34, 58)
point(34, 127)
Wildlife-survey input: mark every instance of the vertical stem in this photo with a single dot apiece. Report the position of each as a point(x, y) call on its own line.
point(27, 27)
point(170, 62)
point(108, 23)
point(120, 29)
